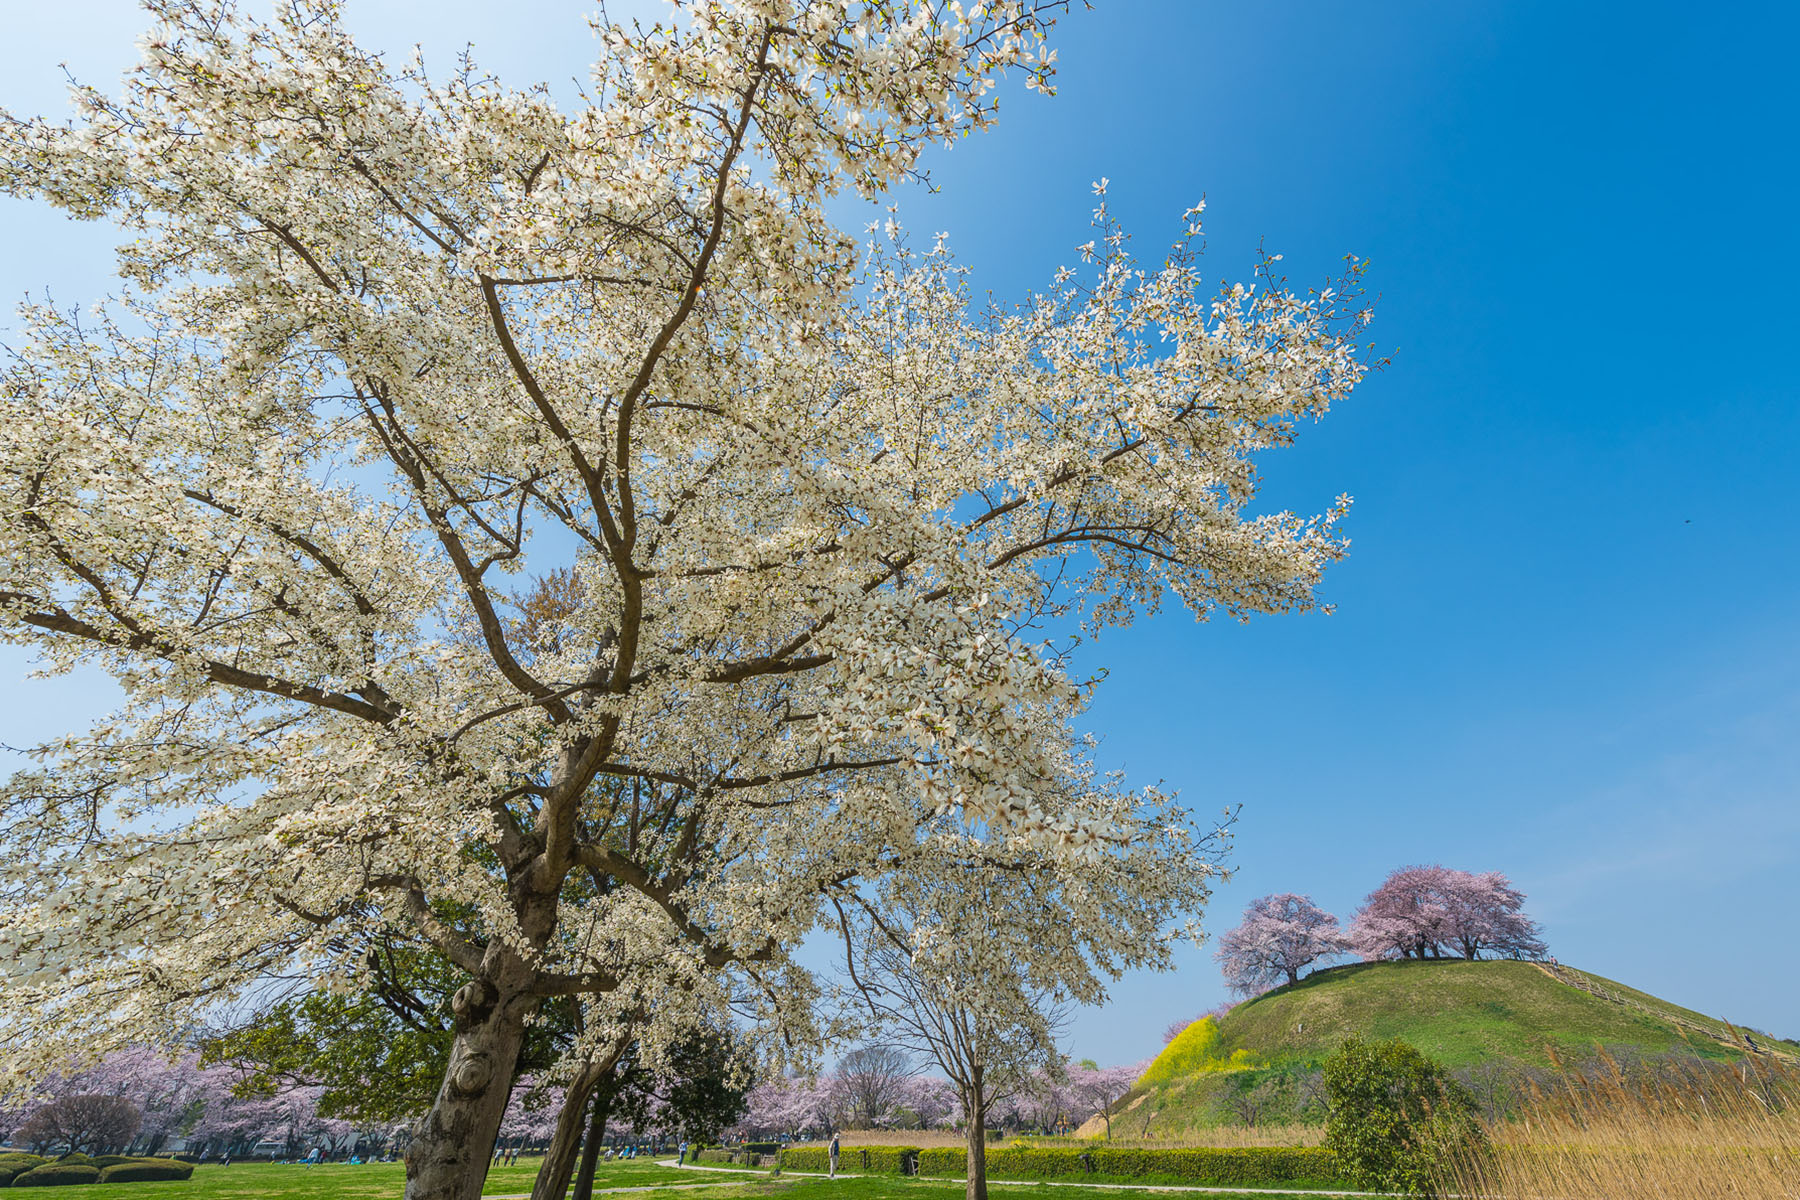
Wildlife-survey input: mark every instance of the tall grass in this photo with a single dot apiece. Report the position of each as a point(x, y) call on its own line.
point(1679, 1131)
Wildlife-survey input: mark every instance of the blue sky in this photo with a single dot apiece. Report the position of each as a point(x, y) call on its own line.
point(1566, 636)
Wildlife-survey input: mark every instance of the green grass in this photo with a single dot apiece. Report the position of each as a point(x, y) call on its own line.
point(889, 1187)
point(338, 1181)
point(385, 1181)
point(1460, 1013)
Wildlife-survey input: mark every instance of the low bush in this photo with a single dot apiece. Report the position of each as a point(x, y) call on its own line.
point(1212, 1166)
point(146, 1170)
point(76, 1159)
point(763, 1147)
point(104, 1161)
point(57, 1174)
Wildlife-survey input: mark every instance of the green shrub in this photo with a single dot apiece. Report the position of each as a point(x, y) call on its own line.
point(763, 1147)
point(13, 1158)
point(76, 1159)
point(57, 1174)
point(147, 1170)
point(1205, 1166)
point(737, 1156)
point(8, 1170)
point(858, 1160)
point(104, 1161)
point(1397, 1117)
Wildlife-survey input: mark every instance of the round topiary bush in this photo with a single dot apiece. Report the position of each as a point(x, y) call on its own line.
point(159, 1170)
point(57, 1174)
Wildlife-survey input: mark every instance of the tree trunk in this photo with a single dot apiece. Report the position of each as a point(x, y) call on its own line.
point(1293, 974)
point(590, 1149)
point(975, 1117)
point(552, 1181)
point(450, 1153)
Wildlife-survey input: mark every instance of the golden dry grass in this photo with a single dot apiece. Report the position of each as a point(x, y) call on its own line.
point(1697, 1134)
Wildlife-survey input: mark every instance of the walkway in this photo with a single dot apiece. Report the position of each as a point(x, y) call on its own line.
point(1028, 1183)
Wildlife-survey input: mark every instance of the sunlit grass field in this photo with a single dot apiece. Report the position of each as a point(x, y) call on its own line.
point(385, 1181)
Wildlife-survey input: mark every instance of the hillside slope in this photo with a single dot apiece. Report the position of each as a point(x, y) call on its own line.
point(1462, 1013)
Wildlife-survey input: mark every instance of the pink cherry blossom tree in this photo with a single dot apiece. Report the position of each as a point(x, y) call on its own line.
point(931, 1098)
point(1093, 1090)
point(1434, 911)
point(787, 1106)
point(1485, 913)
point(1280, 936)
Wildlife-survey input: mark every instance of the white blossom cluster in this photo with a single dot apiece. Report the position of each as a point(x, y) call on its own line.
point(546, 532)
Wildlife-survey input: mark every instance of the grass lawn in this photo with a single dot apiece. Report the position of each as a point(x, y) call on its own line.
point(385, 1181)
point(338, 1181)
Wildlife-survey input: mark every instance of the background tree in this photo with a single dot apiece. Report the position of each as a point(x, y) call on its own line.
point(1281, 935)
point(1434, 911)
point(930, 1099)
point(84, 1123)
point(871, 1081)
point(788, 1106)
point(972, 968)
point(1093, 1090)
point(692, 1089)
point(394, 346)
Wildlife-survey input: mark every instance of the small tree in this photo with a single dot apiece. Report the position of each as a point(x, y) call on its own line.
point(872, 1081)
point(1093, 1090)
point(1281, 935)
point(1397, 1117)
point(973, 968)
point(84, 1123)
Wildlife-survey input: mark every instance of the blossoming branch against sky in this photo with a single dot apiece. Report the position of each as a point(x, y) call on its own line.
point(1565, 635)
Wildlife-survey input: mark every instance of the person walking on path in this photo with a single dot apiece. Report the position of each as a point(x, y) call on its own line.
point(834, 1155)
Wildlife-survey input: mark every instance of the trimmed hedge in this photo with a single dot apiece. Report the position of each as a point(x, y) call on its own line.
point(147, 1171)
point(8, 1170)
point(1211, 1166)
point(57, 1174)
point(104, 1161)
point(860, 1160)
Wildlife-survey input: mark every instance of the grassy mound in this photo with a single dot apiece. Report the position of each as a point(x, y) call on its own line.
point(1258, 1062)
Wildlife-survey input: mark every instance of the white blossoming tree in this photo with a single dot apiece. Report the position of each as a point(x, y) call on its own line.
point(544, 532)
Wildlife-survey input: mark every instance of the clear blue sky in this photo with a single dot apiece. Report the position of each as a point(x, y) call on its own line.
point(1566, 637)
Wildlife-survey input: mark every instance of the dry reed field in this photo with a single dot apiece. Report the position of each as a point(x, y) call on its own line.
point(1693, 1133)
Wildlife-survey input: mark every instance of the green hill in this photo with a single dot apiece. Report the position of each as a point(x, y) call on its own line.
point(1260, 1061)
